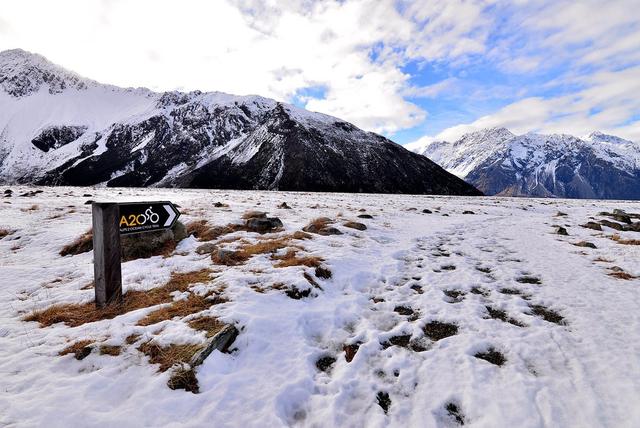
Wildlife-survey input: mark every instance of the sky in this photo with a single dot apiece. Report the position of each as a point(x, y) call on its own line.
point(411, 70)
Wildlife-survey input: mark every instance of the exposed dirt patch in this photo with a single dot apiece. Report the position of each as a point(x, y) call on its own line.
point(547, 314)
point(455, 296)
point(323, 272)
point(528, 280)
point(325, 363)
point(481, 291)
point(585, 244)
point(350, 351)
point(436, 330)
point(499, 314)
point(383, 400)
point(455, 413)
point(493, 356)
point(298, 294)
point(183, 378)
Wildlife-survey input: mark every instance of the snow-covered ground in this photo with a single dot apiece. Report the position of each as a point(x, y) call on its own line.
point(583, 371)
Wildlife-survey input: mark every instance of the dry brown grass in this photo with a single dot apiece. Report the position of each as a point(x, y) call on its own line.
point(79, 349)
point(622, 275)
point(205, 232)
point(180, 308)
point(75, 314)
point(602, 259)
point(290, 258)
point(131, 339)
point(82, 244)
point(300, 235)
point(112, 350)
point(253, 214)
point(170, 355)
point(5, 232)
point(617, 238)
point(33, 207)
point(321, 222)
point(210, 325)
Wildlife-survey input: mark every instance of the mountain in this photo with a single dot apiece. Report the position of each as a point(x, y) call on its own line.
point(59, 128)
point(500, 163)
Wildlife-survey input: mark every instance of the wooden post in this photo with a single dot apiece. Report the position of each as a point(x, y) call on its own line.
point(106, 254)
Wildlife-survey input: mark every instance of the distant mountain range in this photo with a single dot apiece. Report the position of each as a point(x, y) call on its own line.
point(500, 163)
point(59, 128)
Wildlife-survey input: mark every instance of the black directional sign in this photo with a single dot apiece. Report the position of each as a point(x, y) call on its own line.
point(138, 217)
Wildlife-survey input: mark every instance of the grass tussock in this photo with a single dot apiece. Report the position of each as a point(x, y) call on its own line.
point(82, 244)
point(75, 314)
point(622, 275)
point(181, 308)
point(290, 258)
point(183, 378)
point(617, 238)
point(131, 339)
point(205, 232)
point(168, 356)
point(210, 325)
point(79, 349)
point(4, 232)
point(112, 350)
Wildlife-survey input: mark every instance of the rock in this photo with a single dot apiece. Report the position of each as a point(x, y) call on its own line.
point(87, 195)
point(254, 214)
point(592, 225)
point(585, 244)
point(561, 214)
point(221, 341)
point(144, 245)
point(561, 231)
point(427, 211)
point(227, 257)
point(467, 212)
point(355, 225)
point(8, 193)
point(88, 202)
point(623, 218)
point(220, 205)
point(263, 225)
point(633, 227)
point(207, 248)
point(284, 206)
point(611, 224)
point(369, 216)
point(320, 226)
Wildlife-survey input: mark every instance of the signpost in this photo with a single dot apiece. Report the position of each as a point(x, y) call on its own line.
point(110, 220)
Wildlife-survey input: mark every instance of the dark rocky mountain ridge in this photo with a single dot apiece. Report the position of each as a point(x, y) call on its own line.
point(103, 135)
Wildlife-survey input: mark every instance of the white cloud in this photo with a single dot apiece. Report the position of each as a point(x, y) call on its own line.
point(254, 47)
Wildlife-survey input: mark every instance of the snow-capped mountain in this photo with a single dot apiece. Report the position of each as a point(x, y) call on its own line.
point(500, 163)
point(59, 128)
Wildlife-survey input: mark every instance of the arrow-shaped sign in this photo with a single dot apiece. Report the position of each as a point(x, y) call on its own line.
point(173, 214)
point(139, 217)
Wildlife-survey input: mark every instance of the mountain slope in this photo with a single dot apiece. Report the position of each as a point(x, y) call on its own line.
point(500, 163)
point(59, 128)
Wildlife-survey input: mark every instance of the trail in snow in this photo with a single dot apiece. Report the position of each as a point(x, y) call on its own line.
point(407, 270)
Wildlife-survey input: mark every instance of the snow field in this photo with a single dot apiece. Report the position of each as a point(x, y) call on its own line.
point(407, 270)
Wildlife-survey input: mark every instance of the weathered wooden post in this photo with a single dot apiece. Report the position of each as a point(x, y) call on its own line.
point(106, 253)
point(110, 220)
